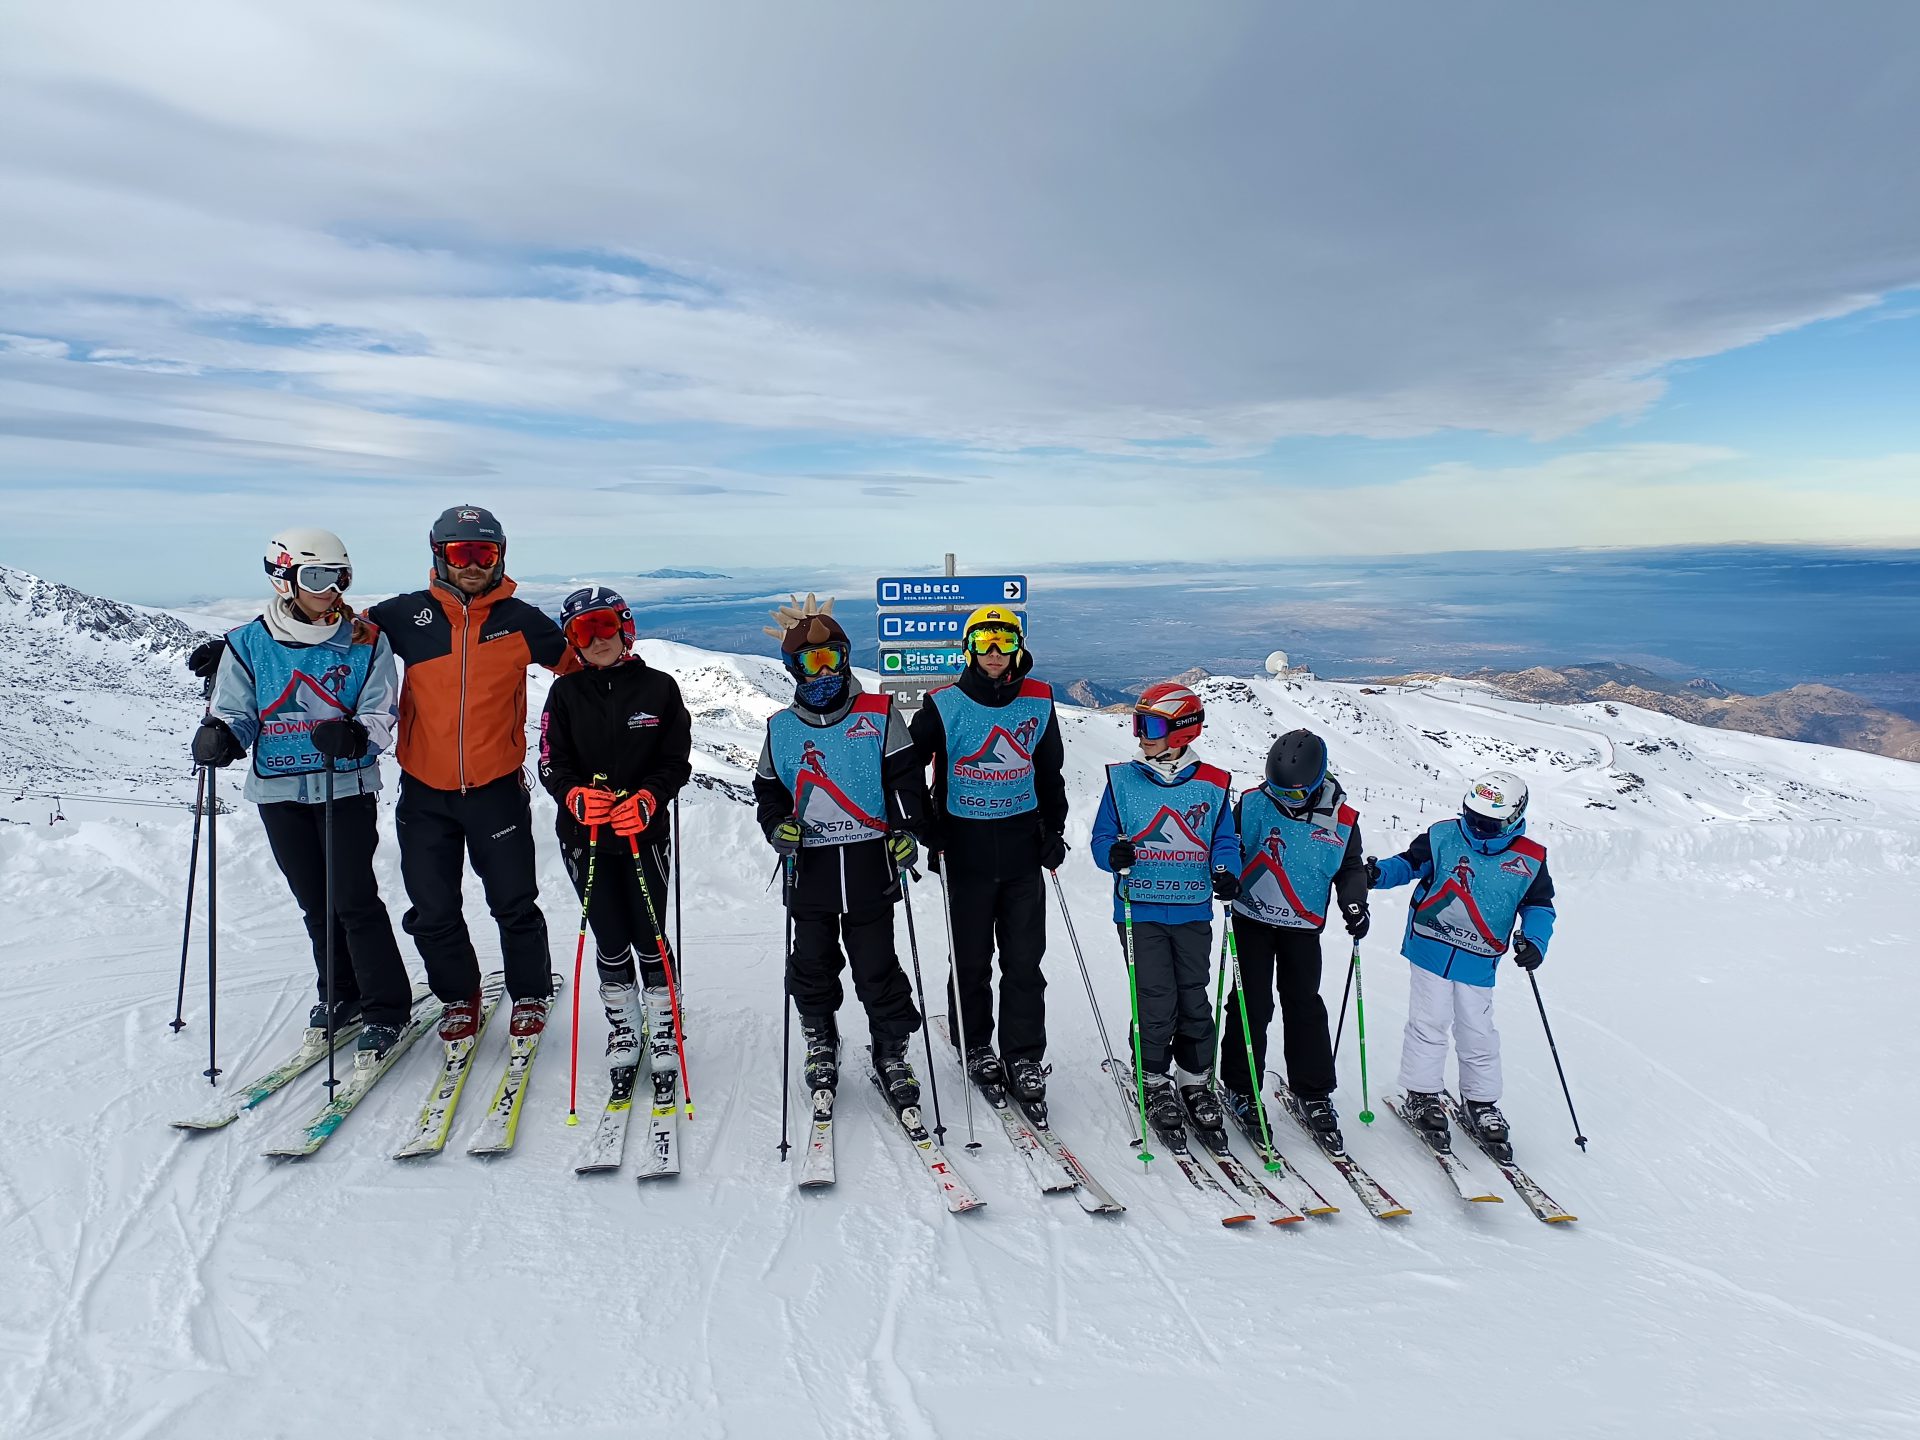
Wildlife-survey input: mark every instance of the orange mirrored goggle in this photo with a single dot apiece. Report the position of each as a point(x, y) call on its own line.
point(594, 625)
point(991, 639)
point(459, 554)
point(818, 660)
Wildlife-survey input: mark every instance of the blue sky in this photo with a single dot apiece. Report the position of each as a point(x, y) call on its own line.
point(753, 286)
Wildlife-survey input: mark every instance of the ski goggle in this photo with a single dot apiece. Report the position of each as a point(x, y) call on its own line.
point(317, 579)
point(1486, 827)
point(818, 660)
point(993, 639)
point(1292, 799)
point(460, 554)
point(1149, 726)
point(584, 629)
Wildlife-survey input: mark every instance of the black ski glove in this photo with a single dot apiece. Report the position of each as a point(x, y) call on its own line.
point(1053, 850)
point(1357, 918)
point(1121, 855)
point(1226, 885)
point(204, 660)
point(214, 744)
point(342, 739)
point(785, 837)
point(1373, 873)
point(1526, 954)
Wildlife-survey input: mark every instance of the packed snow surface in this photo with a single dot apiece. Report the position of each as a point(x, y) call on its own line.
point(1733, 986)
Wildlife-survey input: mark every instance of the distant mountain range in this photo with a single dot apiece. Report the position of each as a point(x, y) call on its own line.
point(1820, 714)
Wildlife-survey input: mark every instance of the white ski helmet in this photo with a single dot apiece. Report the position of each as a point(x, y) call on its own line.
point(1494, 805)
point(313, 560)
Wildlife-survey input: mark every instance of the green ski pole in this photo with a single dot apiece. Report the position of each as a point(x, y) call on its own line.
point(1360, 1025)
point(1270, 1157)
point(1133, 991)
point(1219, 1014)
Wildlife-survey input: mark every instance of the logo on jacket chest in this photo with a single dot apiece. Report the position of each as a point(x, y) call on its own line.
point(642, 720)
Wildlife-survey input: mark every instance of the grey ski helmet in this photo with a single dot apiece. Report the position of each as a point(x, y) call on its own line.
point(466, 522)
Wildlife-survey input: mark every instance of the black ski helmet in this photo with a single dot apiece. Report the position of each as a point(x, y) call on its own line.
point(1297, 762)
point(466, 522)
point(597, 597)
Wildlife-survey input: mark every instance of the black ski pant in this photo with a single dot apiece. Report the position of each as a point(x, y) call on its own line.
point(366, 960)
point(1176, 1013)
point(1275, 957)
point(813, 970)
point(492, 824)
point(617, 911)
point(1013, 912)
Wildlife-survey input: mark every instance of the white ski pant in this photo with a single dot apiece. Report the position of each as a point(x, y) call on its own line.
point(1435, 1007)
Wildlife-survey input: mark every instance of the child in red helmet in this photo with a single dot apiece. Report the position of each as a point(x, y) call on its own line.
point(1165, 830)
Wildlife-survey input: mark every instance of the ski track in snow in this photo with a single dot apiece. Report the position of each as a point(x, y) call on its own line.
point(1730, 985)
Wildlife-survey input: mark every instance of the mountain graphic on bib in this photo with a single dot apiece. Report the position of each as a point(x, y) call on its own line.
point(1001, 756)
point(303, 704)
point(1450, 912)
point(1168, 837)
point(825, 809)
point(1269, 889)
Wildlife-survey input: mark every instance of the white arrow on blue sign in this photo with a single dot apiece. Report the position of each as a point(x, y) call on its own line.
point(928, 627)
point(951, 590)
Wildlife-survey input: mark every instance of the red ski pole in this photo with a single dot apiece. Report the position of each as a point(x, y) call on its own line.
point(579, 955)
point(666, 964)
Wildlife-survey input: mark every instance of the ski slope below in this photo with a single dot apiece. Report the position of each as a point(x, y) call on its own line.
point(1732, 985)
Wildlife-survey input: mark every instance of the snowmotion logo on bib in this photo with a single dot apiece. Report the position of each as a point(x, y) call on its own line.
point(863, 729)
point(1169, 839)
point(1517, 865)
point(1004, 756)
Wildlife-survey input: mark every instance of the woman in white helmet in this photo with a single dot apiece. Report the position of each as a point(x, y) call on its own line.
point(292, 686)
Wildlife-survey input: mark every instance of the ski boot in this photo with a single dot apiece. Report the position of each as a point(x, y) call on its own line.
point(821, 1066)
point(529, 1017)
point(660, 1015)
point(896, 1074)
point(1239, 1104)
point(374, 1042)
point(1324, 1121)
point(1201, 1106)
point(984, 1068)
point(345, 1012)
point(1164, 1111)
point(622, 1001)
point(1028, 1079)
point(461, 1020)
point(1489, 1128)
point(1427, 1113)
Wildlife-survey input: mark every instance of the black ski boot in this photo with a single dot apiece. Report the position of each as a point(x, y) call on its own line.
point(1489, 1127)
point(1202, 1108)
point(1427, 1113)
point(1164, 1111)
point(821, 1067)
point(896, 1075)
point(374, 1042)
point(1028, 1079)
point(1239, 1104)
point(1324, 1121)
point(345, 1013)
point(984, 1068)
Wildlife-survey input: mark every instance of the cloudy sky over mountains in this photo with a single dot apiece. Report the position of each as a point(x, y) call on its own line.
point(731, 284)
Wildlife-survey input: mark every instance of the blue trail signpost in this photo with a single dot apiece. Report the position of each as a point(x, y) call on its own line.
point(920, 621)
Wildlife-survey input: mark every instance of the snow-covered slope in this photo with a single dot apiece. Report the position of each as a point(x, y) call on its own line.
point(1731, 985)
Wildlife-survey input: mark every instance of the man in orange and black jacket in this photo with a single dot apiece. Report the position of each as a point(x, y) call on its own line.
point(466, 643)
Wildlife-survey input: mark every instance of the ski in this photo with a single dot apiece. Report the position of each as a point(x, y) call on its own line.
point(1046, 1172)
point(1092, 1196)
point(360, 1080)
point(957, 1193)
point(1300, 1191)
point(312, 1050)
point(662, 1155)
point(608, 1143)
point(501, 1123)
point(1277, 1212)
point(430, 1131)
point(1455, 1169)
point(1176, 1146)
point(1371, 1193)
point(1544, 1207)
point(816, 1165)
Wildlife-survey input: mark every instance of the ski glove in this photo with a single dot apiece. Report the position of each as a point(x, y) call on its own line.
point(205, 659)
point(1053, 850)
point(785, 837)
point(214, 744)
point(633, 813)
point(1373, 873)
point(1226, 885)
point(1357, 918)
point(589, 804)
point(342, 739)
point(1121, 855)
point(933, 861)
point(904, 849)
point(1526, 954)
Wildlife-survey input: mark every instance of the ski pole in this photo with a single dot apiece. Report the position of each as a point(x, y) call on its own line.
point(959, 1008)
point(673, 860)
point(213, 931)
point(1340, 1029)
point(1133, 990)
point(1086, 976)
point(926, 1026)
point(1272, 1158)
point(186, 926)
point(326, 869)
point(786, 1005)
point(1219, 1014)
point(579, 957)
point(666, 964)
point(1579, 1138)
point(1360, 1028)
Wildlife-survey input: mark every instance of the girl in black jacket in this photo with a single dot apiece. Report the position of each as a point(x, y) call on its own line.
point(615, 739)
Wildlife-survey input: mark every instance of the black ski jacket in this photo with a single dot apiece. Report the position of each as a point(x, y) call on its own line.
point(626, 722)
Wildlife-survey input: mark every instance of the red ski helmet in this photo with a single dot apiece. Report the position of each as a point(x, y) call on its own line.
point(1168, 710)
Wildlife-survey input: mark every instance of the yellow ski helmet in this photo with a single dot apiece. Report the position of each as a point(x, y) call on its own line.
point(996, 622)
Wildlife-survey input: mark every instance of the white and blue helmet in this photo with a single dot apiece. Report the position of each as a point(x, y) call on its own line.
point(1495, 804)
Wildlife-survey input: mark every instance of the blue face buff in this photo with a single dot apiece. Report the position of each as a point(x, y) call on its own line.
point(821, 691)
